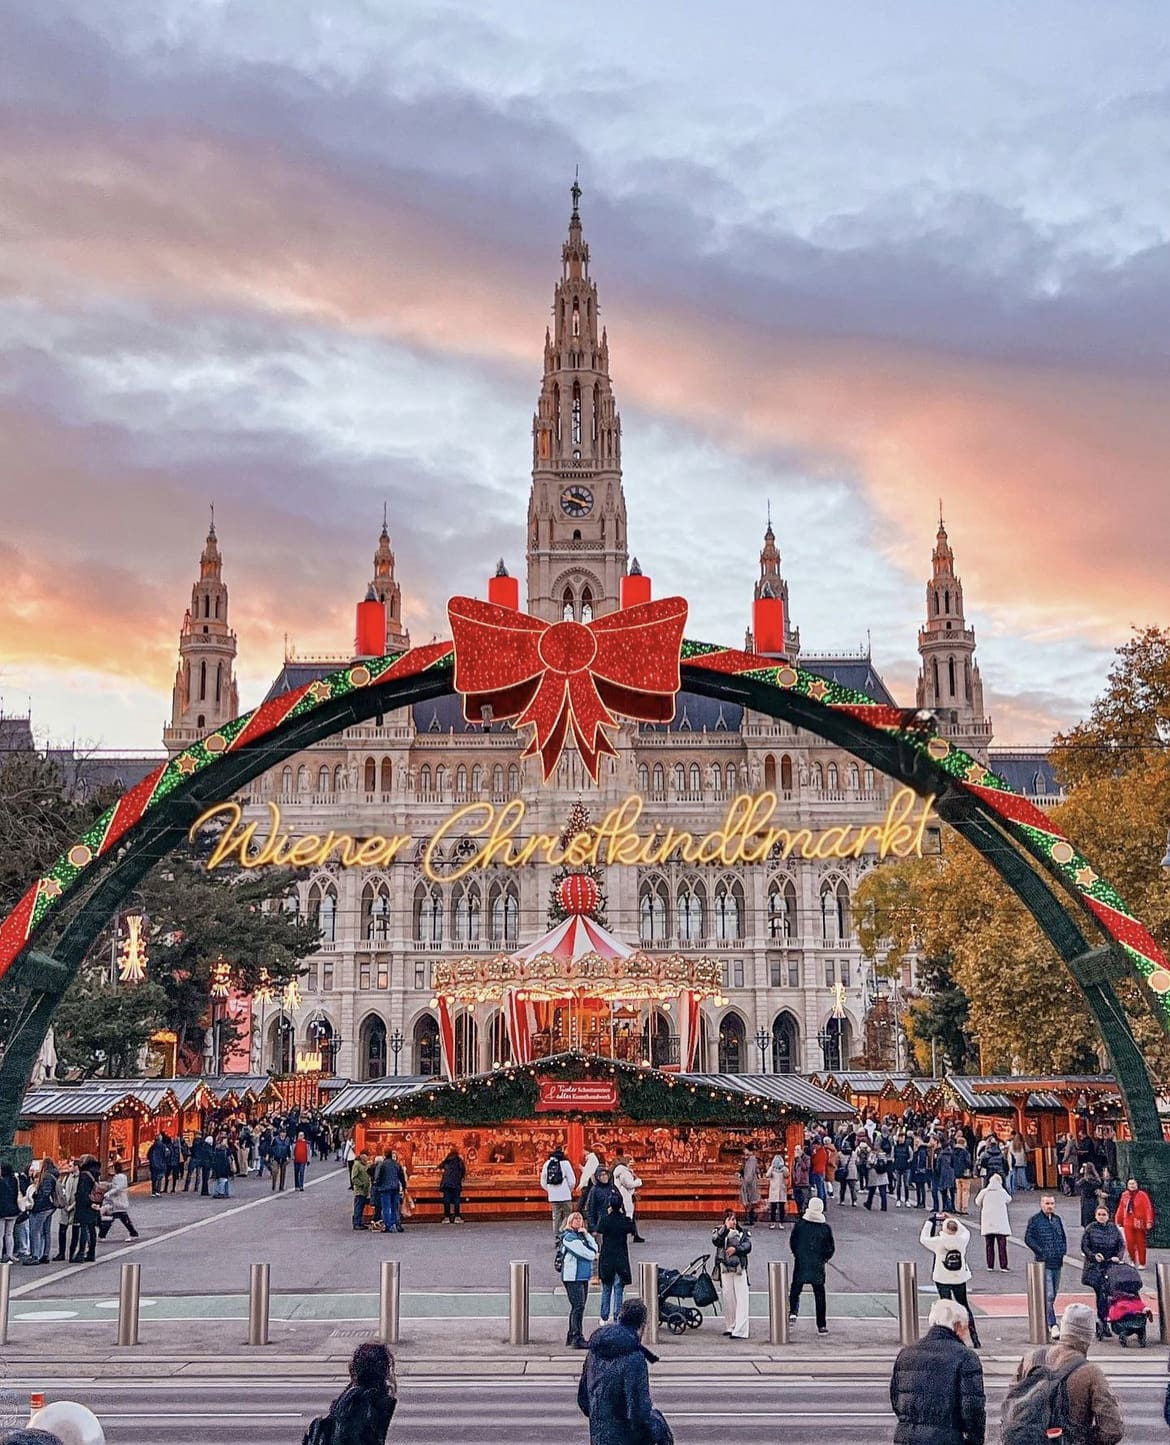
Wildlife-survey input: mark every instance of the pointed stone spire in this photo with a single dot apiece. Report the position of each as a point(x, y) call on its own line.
point(949, 684)
point(205, 695)
point(386, 590)
point(771, 583)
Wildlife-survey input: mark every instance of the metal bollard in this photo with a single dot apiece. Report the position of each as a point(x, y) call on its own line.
point(389, 1295)
point(908, 1330)
point(1037, 1307)
point(129, 1290)
point(778, 1302)
point(258, 1305)
point(648, 1288)
point(1161, 1274)
point(5, 1295)
point(518, 1290)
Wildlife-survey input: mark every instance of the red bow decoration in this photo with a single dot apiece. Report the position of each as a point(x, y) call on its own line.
point(556, 675)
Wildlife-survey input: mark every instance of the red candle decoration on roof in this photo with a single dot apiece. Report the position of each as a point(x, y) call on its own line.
point(503, 590)
point(578, 894)
point(635, 586)
point(768, 622)
point(370, 634)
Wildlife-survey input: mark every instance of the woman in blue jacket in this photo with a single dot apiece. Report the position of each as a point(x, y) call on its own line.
point(579, 1251)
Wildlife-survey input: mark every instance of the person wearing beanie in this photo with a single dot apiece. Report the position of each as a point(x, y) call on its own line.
point(812, 1247)
point(1094, 1413)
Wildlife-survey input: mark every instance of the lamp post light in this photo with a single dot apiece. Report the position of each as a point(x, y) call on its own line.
point(762, 1041)
point(830, 1042)
point(397, 1042)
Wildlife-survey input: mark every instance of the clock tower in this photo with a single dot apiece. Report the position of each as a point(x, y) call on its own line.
point(577, 513)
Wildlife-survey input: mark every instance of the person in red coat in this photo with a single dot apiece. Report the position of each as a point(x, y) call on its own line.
point(1135, 1216)
point(300, 1160)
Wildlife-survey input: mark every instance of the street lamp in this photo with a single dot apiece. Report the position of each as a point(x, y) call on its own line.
point(762, 1041)
point(397, 1042)
point(830, 1042)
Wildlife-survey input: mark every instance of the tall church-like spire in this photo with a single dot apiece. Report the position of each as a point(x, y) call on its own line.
point(771, 583)
point(205, 694)
point(386, 590)
point(949, 684)
point(577, 513)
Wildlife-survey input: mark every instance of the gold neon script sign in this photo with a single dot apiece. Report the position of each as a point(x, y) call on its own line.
point(746, 835)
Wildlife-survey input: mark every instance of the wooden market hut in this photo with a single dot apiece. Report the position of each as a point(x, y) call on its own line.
point(684, 1132)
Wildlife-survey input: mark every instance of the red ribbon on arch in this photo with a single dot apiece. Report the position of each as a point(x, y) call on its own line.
point(557, 677)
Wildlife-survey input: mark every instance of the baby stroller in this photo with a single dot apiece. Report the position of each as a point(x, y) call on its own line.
point(683, 1295)
point(1127, 1313)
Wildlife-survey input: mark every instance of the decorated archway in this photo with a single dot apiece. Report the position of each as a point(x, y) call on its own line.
point(566, 678)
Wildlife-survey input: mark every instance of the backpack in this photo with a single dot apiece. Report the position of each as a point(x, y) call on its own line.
point(553, 1172)
point(953, 1260)
point(1037, 1406)
point(320, 1431)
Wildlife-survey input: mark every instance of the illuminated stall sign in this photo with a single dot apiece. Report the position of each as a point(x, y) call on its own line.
point(594, 1096)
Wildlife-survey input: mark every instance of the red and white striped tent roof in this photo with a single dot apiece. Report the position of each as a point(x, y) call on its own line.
point(575, 938)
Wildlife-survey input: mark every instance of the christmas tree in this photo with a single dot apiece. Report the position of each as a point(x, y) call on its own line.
point(577, 822)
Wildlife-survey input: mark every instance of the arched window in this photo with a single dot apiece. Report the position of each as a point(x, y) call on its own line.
point(934, 674)
point(372, 1048)
point(505, 913)
point(782, 909)
point(652, 911)
point(843, 916)
point(595, 412)
point(836, 1048)
point(818, 777)
point(387, 778)
point(428, 913)
point(440, 780)
point(586, 605)
point(947, 600)
point(428, 1059)
point(576, 413)
point(497, 782)
point(286, 781)
point(513, 780)
point(202, 681)
point(732, 782)
point(770, 773)
point(302, 779)
point(424, 780)
point(327, 921)
point(785, 1044)
point(728, 909)
point(576, 325)
point(371, 775)
point(967, 678)
point(323, 780)
point(567, 605)
point(659, 790)
point(218, 681)
point(339, 778)
point(854, 777)
point(461, 781)
point(680, 779)
point(731, 1044)
point(476, 780)
point(200, 723)
point(834, 778)
point(869, 780)
point(375, 910)
point(690, 904)
point(695, 778)
point(951, 674)
point(643, 779)
point(658, 1047)
point(786, 774)
point(466, 1033)
point(717, 780)
point(465, 913)
point(936, 602)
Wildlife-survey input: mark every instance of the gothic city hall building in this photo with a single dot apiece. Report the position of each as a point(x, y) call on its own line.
point(796, 991)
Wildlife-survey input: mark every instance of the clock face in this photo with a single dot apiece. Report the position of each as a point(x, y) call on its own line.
point(576, 500)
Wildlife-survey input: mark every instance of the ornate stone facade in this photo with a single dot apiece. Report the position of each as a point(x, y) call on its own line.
point(793, 973)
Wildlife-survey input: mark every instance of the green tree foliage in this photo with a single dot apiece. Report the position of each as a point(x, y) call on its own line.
point(937, 1024)
point(1024, 1009)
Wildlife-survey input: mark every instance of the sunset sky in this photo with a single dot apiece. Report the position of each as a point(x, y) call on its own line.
point(296, 259)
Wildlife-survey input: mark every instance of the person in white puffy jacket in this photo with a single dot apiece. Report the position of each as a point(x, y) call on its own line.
point(994, 1225)
point(627, 1182)
point(948, 1240)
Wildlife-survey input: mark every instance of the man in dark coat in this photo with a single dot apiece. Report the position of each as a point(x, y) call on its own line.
point(158, 1161)
point(1046, 1239)
point(86, 1214)
point(936, 1389)
point(451, 1184)
point(614, 1389)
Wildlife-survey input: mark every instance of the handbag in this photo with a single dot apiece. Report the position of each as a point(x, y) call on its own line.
point(658, 1431)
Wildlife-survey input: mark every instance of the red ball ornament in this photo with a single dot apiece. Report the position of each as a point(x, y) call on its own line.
point(578, 893)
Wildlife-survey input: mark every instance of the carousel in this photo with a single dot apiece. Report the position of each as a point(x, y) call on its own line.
point(579, 989)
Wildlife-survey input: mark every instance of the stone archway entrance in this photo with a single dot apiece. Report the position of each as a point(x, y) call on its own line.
point(46, 937)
